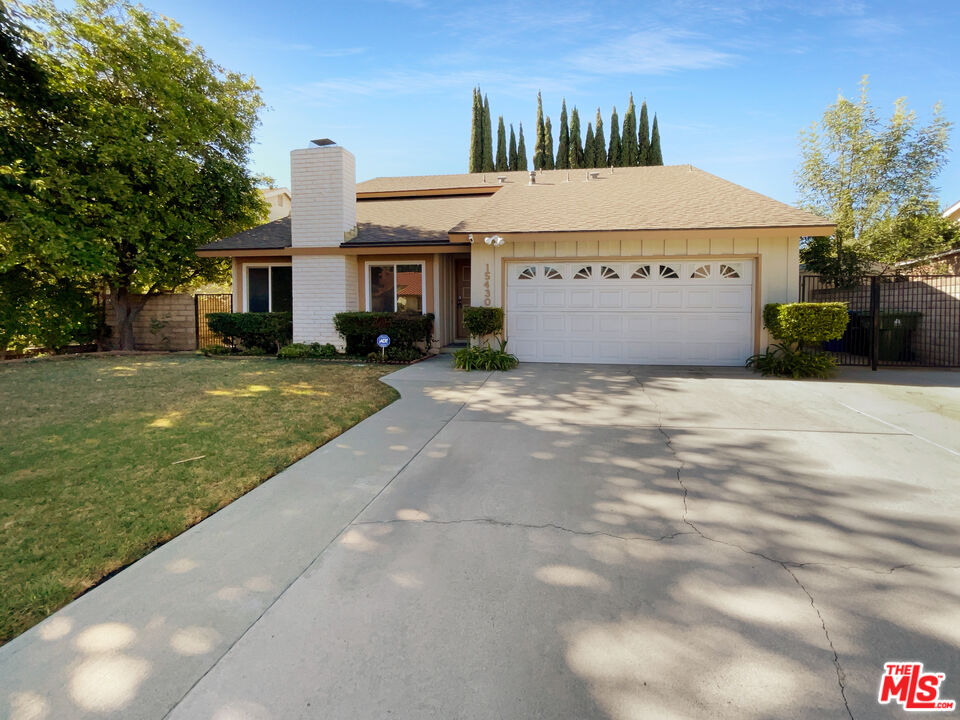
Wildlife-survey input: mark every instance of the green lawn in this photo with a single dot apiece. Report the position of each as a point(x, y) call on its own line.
point(89, 479)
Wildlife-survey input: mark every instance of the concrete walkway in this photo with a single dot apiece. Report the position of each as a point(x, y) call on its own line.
point(559, 541)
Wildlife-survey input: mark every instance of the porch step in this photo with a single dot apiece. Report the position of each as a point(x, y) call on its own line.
point(453, 347)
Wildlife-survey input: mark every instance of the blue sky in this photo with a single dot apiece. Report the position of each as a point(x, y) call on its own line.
point(732, 82)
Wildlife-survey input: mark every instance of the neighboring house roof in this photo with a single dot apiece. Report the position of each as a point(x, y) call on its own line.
point(673, 197)
point(953, 212)
point(409, 283)
point(482, 182)
point(269, 236)
point(413, 221)
point(929, 258)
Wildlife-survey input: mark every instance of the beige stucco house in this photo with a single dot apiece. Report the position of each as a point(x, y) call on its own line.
point(648, 265)
point(278, 200)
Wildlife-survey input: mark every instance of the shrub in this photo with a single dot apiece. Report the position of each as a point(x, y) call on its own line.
point(805, 323)
point(398, 355)
point(360, 329)
point(209, 350)
point(481, 321)
point(268, 331)
point(484, 358)
point(782, 360)
point(302, 350)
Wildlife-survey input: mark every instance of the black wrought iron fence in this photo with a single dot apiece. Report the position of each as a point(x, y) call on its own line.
point(894, 320)
point(210, 303)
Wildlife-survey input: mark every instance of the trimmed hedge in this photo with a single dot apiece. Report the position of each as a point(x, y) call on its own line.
point(360, 330)
point(480, 321)
point(267, 331)
point(805, 323)
point(302, 350)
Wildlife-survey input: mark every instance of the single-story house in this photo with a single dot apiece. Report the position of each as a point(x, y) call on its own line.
point(647, 265)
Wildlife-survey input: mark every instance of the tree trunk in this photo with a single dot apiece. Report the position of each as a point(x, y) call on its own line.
point(125, 311)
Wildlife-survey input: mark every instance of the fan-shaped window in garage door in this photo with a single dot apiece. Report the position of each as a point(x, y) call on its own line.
point(700, 272)
point(731, 271)
point(642, 272)
point(584, 273)
point(528, 273)
point(609, 273)
point(668, 273)
point(551, 273)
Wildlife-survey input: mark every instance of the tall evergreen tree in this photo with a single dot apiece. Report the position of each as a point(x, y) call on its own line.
point(548, 145)
point(540, 140)
point(476, 134)
point(613, 154)
point(589, 149)
point(655, 156)
point(501, 164)
point(628, 138)
point(599, 143)
point(576, 147)
point(521, 152)
point(512, 157)
point(487, 137)
point(643, 137)
point(563, 142)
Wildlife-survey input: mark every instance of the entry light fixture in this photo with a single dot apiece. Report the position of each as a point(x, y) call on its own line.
point(470, 238)
point(494, 240)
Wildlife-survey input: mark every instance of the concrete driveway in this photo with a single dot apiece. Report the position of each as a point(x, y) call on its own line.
point(554, 542)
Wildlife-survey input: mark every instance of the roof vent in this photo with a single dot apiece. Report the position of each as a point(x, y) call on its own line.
point(533, 177)
point(501, 179)
point(594, 175)
point(323, 142)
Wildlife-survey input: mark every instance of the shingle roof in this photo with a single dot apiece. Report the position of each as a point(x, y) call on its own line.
point(486, 181)
point(412, 220)
point(269, 236)
point(675, 197)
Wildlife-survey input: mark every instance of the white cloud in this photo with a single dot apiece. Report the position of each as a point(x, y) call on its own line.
point(653, 52)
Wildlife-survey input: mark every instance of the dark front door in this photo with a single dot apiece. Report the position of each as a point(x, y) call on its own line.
point(461, 270)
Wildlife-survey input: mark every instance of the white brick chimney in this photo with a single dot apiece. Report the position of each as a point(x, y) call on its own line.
point(323, 213)
point(323, 184)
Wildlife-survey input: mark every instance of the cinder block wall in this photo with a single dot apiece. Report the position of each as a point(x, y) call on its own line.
point(167, 322)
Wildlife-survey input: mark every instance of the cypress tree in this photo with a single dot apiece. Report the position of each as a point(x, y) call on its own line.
point(655, 156)
point(548, 145)
point(521, 152)
point(643, 137)
point(539, 142)
point(576, 148)
point(599, 144)
point(487, 137)
point(628, 138)
point(512, 158)
point(563, 144)
point(501, 164)
point(613, 154)
point(589, 149)
point(476, 134)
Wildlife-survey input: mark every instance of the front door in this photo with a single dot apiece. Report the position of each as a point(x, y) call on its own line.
point(461, 270)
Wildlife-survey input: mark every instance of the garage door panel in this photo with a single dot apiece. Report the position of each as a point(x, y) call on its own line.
point(662, 312)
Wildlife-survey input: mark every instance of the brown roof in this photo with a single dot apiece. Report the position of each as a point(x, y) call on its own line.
point(412, 220)
point(269, 236)
point(673, 197)
point(484, 182)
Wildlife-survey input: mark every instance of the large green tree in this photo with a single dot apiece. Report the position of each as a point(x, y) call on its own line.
point(487, 137)
point(576, 144)
point(643, 136)
point(512, 157)
point(521, 150)
point(875, 180)
point(476, 133)
point(548, 144)
point(563, 141)
point(654, 154)
point(599, 143)
point(502, 163)
point(146, 159)
point(540, 139)
point(613, 154)
point(589, 148)
point(628, 138)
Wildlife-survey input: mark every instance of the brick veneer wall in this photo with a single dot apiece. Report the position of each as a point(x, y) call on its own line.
point(323, 285)
point(167, 322)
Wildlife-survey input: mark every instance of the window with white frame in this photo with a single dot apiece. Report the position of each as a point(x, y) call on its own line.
point(395, 286)
point(268, 288)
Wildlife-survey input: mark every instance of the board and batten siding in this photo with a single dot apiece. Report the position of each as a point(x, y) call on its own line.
point(776, 253)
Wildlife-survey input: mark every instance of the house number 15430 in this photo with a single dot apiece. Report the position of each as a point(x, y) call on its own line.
point(486, 286)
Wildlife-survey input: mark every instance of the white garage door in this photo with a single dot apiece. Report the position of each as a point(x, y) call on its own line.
point(656, 312)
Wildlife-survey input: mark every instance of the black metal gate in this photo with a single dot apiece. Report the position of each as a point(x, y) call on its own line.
point(894, 320)
point(210, 303)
